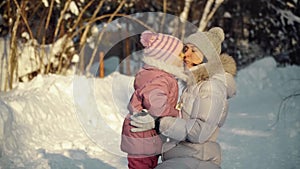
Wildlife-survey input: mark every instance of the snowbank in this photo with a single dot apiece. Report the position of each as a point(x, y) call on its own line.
point(74, 122)
point(258, 133)
point(31, 56)
point(63, 116)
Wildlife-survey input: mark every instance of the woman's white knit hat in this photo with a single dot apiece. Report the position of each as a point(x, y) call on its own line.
point(205, 40)
point(209, 43)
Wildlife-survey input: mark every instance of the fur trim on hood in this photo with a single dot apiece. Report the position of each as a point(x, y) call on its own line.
point(174, 70)
point(200, 72)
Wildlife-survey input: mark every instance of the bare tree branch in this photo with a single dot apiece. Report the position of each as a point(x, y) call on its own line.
point(101, 34)
point(84, 36)
point(184, 15)
point(213, 11)
point(81, 14)
point(13, 61)
point(162, 23)
point(109, 15)
point(56, 31)
point(282, 105)
point(208, 13)
point(24, 18)
point(61, 17)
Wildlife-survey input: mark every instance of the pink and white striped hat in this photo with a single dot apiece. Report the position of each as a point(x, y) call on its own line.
point(162, 47)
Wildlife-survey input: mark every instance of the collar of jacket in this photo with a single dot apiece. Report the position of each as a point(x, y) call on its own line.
point(200, 72)
point(178, 72)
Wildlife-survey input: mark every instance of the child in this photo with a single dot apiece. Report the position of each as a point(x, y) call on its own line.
point(156, 91)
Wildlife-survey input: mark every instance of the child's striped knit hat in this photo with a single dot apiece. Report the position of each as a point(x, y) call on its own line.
point(162, 47)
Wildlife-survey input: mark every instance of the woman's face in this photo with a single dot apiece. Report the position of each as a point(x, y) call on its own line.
point(192, 56)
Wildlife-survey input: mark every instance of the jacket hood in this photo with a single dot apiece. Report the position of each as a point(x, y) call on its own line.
point(229, 65)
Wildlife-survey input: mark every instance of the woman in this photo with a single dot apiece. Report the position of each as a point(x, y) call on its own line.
point(192, 138)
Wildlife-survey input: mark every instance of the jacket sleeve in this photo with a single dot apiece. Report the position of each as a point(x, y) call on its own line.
point(207, 111)
point(155, 97)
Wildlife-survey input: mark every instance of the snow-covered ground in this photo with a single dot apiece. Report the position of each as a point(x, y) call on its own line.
point(75, 122)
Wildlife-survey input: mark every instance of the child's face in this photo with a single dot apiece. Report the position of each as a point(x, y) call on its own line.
point(192, 56)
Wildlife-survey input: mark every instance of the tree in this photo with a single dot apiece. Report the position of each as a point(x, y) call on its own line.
point(255, 29)
point(252, 31)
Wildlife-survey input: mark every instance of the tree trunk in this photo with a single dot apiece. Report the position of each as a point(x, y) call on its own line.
point(209, 13)
point(184, 15)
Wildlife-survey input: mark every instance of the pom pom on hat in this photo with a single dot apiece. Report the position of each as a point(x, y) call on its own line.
point(216, 37)
point(218, 32)
point(147, 38)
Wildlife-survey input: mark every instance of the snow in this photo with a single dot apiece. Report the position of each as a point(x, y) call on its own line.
point(31, 54)
point(73, 8)
point(75, 122)
point(252, 137)
point(41, 123)
point(46, 3)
